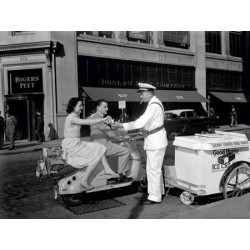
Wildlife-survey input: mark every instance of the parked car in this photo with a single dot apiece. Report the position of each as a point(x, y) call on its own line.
point(187, 122)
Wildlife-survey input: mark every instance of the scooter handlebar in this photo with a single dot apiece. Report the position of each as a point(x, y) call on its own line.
point(130, 137)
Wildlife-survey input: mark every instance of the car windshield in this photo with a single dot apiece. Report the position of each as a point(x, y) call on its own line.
point(168, 115)
point(190, 114)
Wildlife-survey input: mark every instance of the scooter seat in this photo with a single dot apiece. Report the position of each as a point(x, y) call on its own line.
point(63, 171)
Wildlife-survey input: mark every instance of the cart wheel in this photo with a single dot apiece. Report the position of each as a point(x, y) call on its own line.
point(237, 182)
point(186, 198)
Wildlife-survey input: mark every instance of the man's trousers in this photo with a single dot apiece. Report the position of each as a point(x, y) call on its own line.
point(154, 174)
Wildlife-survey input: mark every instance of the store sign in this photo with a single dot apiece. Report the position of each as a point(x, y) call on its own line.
point(25, 81)
point(122, 104)
point(138, 35)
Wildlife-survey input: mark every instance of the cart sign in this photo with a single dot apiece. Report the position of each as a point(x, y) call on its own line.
point(224, 160)
point(122, 104)
point(25, 81)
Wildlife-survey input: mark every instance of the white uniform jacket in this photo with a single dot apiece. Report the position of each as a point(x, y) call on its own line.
point(152, 118)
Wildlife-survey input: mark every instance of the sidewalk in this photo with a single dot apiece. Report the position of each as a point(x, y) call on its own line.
point(227, 128)
point(25, 146)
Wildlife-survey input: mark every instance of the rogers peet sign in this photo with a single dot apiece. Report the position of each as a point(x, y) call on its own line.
point(25, 81)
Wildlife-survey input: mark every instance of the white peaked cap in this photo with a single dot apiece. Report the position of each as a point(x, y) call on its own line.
point(145, 86)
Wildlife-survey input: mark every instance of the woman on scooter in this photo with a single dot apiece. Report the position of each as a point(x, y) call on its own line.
point(80, 154)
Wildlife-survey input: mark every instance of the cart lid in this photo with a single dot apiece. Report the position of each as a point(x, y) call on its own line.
point(219, 140)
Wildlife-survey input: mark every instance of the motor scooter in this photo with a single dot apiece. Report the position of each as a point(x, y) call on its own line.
point(67, 179)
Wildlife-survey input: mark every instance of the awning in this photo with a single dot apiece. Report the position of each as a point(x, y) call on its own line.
point(112, 95)
point(230, 97)
point(180, 96)
point(130, 95)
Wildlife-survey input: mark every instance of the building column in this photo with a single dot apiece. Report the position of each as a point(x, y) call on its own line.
point(199, 45)
point(1, 89)
point(160, 40)
point(225, 43)
point(122, 37)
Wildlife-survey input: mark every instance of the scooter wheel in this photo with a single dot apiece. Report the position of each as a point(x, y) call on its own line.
point(186, 198)
point(73, 200)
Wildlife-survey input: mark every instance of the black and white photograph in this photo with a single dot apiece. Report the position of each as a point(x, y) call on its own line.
point(128, 128)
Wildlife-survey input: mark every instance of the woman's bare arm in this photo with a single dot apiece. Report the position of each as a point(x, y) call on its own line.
point(80, 121)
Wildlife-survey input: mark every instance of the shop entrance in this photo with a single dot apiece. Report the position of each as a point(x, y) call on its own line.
point(24, 109)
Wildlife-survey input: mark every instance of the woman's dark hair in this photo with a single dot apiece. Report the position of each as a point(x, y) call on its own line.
point(72, 103)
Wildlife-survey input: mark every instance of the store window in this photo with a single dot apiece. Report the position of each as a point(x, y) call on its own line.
point(105, 34)
point(213, 42)
point(100, 72)
point(235, 43)
point(16, 33)
point(140, 36)
point(224, 80)
point(177, 39)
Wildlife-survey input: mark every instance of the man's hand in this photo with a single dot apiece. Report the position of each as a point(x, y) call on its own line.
point(108, 120)
point(116, 125)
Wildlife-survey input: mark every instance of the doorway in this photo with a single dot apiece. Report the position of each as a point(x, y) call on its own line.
point(19, 110)
point(24, 107)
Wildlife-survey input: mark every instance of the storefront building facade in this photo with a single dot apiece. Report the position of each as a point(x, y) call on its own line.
point(43, 70)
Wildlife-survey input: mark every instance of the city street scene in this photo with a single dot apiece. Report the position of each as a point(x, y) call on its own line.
point(124, 125)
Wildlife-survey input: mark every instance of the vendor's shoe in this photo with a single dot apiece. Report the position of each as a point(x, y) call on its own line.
point(149, 202)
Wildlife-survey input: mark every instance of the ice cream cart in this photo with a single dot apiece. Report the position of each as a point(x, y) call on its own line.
point(208, 164)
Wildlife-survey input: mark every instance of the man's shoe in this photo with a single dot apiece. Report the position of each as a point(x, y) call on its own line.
point(149, 202)
point(112, 181)
point(12, 148)
point(124, 178)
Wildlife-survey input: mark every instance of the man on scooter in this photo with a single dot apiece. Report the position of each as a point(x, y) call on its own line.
point(103, 134)
point(155, 141)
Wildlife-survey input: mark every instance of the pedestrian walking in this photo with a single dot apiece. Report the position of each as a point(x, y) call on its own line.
point(11, 123)
point(155, 141)
point(124, 117)
point(2, 127)
point(52, 132)
point(40, 126)
point(234, 117)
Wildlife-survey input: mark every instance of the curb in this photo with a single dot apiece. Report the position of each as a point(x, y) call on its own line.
point(20, 152)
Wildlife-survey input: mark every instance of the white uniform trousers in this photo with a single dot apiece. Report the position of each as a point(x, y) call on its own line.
point(154, 174)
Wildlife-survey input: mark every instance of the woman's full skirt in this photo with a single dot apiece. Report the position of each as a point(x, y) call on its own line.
point(80, 154)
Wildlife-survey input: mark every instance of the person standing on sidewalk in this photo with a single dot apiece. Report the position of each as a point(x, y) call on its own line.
point(155, 142)
point(11, 123)
point(234, 115)
point(40, 126)
point(2, 127)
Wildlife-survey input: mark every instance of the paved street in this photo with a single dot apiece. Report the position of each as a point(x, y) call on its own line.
point(22, 196)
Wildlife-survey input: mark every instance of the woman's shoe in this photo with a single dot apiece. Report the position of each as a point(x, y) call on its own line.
point(86, 186)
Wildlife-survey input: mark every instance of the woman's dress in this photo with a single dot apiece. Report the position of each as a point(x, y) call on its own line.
point(79, 153)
